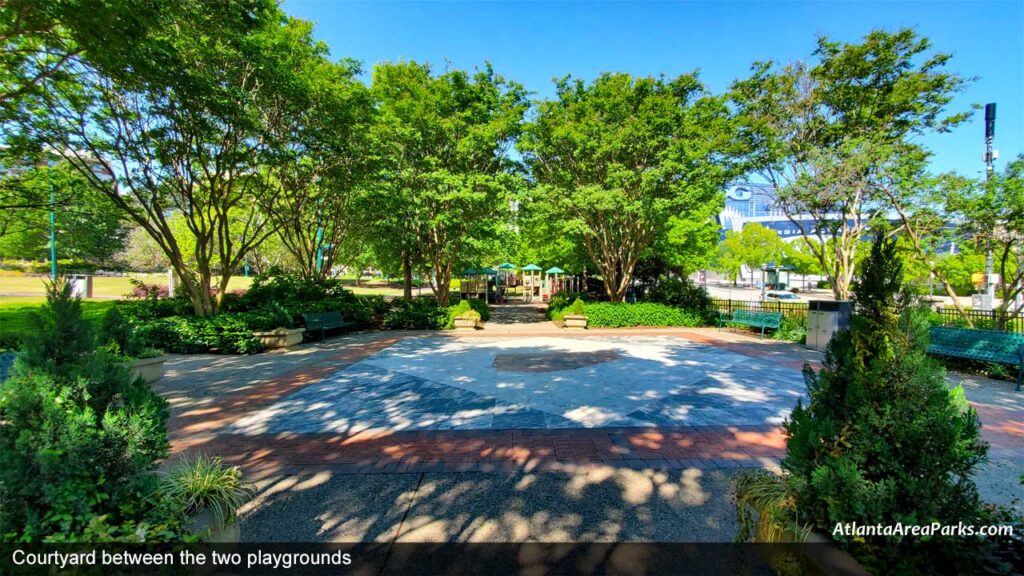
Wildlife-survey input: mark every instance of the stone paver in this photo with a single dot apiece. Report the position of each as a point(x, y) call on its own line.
point(214, 399)
point(541, 382)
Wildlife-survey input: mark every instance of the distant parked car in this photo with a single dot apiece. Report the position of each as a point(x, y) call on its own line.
point(782, 297)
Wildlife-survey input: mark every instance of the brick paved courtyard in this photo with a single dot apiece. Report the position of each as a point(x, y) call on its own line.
point(409, 402)
point(606, 435)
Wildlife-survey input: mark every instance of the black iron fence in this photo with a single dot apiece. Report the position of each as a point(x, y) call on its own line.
point(787, 308)
point(983, 319)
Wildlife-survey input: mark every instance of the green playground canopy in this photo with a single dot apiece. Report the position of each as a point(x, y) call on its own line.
point(507, 266)
point(532, 268)
point(555, 270)
point(488, 271)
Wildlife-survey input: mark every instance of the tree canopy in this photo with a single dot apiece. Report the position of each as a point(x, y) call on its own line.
point(614, 160)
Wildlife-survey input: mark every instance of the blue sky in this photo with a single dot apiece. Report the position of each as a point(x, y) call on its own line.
point(534, 42)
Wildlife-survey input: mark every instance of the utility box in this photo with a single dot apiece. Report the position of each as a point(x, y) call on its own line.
point(81, 285)
point(824, 319)
point(981, 301)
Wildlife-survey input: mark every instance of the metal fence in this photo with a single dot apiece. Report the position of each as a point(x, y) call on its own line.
point(984, 319)
point(787, 308)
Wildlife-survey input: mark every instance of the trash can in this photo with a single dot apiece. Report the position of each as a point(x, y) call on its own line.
point(81, 285)
point(825, 318)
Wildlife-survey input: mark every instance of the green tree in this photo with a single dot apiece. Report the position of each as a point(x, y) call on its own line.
point(883, 440)
point(832, 134)
point(88, 225)
point(991, 214)
point(615, 159)
point(184, 123)
point(444, 182)
point(753, 246)
point(728, 258)
point(317, 214)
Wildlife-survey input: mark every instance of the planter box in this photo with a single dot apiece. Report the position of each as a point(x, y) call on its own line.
point(575, 322)
point(149, 369)
point(466, 324)
point(281, 337)
point(821, 558)
point(218, 533)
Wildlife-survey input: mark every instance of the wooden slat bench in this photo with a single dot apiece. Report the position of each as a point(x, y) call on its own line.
point(981, 345)
point(323, 321)
point(752, 318)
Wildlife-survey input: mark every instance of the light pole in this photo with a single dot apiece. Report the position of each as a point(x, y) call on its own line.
point(990, 156)
point(931, 280)
point(53, 223)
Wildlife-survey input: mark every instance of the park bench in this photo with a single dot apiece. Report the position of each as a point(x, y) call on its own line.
point(982, 345)
point(323, 321)
point(752, 318)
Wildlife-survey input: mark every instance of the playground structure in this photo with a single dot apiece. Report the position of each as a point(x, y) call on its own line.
point(508, 283)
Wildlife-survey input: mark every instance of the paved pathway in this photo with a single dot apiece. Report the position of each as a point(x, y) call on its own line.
point(385, 478)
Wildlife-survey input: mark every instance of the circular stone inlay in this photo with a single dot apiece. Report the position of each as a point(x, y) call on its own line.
point(551, 361)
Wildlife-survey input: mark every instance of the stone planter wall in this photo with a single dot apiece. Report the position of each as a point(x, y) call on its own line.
point(466, 324)
point(281, 337)
point(219, 533)
point(575, 322)
point(149, 369)
point(821, 557)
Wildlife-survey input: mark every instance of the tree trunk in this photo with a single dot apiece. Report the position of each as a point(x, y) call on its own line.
point(407, 280)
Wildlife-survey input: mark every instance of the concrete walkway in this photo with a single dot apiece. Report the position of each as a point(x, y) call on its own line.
point(652, 483)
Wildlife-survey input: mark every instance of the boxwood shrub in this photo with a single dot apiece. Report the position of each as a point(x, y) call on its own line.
point(620, 315)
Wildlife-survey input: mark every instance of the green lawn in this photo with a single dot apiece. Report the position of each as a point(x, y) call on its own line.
point(14, 314)
point(103, 286)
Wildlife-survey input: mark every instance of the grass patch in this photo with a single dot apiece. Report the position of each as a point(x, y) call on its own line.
point(102, 286)
point(14, 316)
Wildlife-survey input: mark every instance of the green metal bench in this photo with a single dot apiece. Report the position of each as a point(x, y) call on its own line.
point(982, 345)
point(323, 321)
point(752, 318)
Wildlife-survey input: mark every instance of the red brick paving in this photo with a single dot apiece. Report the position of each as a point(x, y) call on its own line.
point(502, 450)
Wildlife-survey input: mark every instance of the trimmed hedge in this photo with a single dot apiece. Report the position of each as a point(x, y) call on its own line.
point(620, 315)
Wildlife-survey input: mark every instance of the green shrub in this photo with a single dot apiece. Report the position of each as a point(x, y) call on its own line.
point(375, 304)
point(882, 439)
point(416, 314)
point(227, 333)
point(268, 317)
point(619, 315)
point(79, 440)
point(205, 483)
point(792, 329)
point(680, 293)
point(475, 305)
point(561, 300)
point(301, 296)
point(577, 308)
